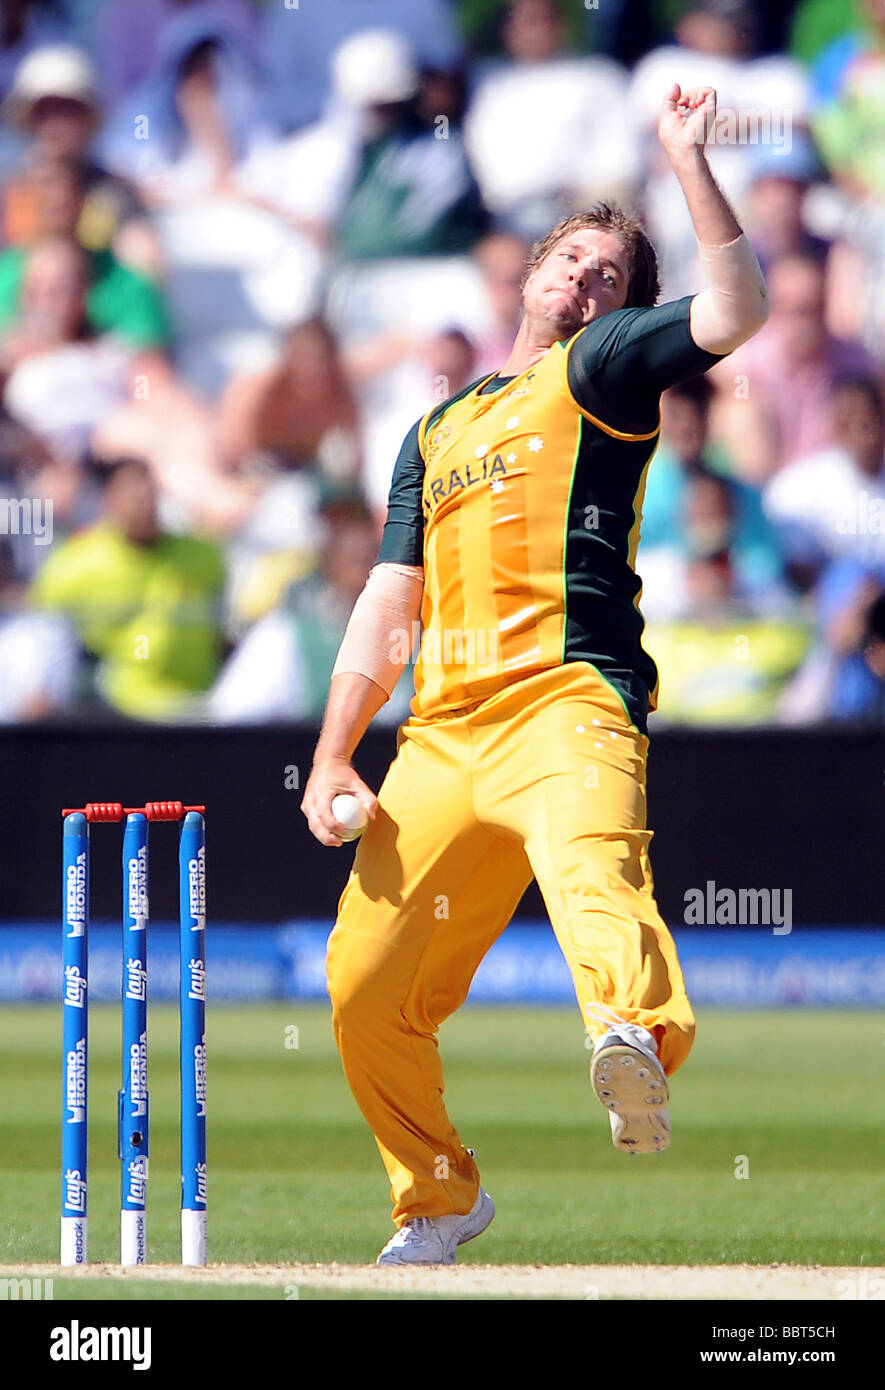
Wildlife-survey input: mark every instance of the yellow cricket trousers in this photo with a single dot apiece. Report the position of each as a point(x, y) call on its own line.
point(544, 778)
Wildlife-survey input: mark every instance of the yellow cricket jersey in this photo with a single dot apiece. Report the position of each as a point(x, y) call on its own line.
point(521, 497)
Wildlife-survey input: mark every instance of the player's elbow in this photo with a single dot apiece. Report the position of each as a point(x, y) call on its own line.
point(745, 325)
point(734, 305)
point(721, 323)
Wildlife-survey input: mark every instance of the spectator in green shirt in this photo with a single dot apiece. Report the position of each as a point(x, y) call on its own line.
point(413, 192)
point(146, 604)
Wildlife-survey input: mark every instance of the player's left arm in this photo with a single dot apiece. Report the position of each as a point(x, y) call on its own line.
point(734, 305)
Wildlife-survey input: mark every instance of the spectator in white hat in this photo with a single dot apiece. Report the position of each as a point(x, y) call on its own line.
point(25, 25)
point(298, 46)
point(54, 103)
point(413, 193)
point(372, 176)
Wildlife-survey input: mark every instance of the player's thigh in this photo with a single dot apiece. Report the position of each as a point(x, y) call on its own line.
point(430, 887)
point(589, 763)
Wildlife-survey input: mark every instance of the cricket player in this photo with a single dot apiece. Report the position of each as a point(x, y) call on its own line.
point(512, 528)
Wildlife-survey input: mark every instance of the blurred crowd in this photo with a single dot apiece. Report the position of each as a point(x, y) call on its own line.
point(243, 246)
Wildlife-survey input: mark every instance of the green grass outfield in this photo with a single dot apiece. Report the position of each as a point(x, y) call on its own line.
point(294, 1175)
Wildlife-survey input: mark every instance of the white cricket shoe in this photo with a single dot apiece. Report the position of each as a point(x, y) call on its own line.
point(433, 1240)
point(628, 1078)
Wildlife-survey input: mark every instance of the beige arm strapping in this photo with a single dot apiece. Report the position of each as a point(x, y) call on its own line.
point(735, 304)
point(377, 641)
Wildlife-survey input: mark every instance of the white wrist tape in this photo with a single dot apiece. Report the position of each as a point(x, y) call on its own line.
point(735, 304)
point(377, 641)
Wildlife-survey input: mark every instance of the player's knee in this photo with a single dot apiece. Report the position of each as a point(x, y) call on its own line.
point(355, 997)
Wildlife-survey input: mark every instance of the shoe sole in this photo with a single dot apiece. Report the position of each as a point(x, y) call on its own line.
point(633, 1089)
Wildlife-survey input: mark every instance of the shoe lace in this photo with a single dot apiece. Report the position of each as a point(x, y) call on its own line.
point(413, 1232)
point(630, 1033)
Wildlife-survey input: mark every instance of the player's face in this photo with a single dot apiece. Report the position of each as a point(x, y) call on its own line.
point(584, 276)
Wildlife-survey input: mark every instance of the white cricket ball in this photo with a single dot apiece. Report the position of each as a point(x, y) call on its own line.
point(350, 812)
